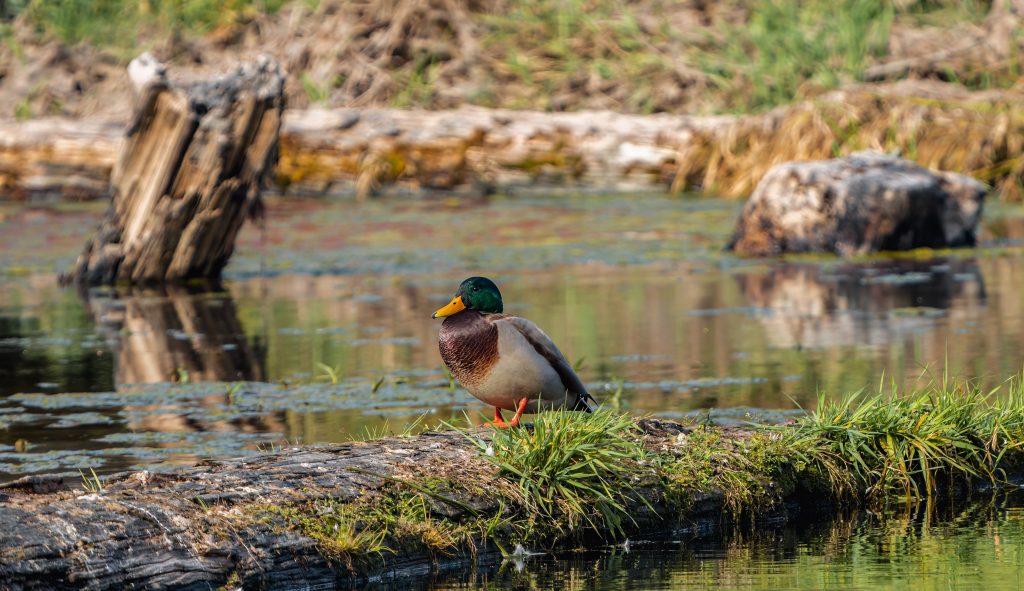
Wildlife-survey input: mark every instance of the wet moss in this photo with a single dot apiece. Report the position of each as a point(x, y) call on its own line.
point(234, 581)
point(752, 474)
point(360, 533)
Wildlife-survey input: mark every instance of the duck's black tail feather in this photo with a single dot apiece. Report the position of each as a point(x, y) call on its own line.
point(583, 402)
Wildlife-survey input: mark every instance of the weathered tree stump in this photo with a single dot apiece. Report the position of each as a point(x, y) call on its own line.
point(866, 202)
point(189, 172)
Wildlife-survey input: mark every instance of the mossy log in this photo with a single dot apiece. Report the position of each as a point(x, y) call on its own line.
point(252, 522)
point(188, 173)
point(209, 524)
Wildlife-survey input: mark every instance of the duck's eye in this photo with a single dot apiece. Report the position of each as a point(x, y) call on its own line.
point(475, 288)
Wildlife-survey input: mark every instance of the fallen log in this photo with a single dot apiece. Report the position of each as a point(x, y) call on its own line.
point(188, 174)
point(401, 507)
point(473, 150)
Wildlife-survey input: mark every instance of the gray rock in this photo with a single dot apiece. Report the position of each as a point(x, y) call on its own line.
point(866, 202)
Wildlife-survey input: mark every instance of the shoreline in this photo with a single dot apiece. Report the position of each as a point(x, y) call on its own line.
point(366, 152)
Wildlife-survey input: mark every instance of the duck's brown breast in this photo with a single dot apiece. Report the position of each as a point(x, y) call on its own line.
point(469, 347)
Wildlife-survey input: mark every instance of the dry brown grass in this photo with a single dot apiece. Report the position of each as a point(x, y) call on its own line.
point(982, 136)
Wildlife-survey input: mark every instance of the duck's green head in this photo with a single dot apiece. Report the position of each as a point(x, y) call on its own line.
point(475, 293)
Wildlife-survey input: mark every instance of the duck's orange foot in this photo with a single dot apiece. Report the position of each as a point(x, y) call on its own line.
point(519, 413)
point(499, 421)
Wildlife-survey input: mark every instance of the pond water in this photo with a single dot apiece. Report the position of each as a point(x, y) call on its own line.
point(322, 331)
point(976, 546)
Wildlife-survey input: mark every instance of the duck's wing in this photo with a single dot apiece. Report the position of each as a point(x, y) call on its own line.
point(548, 350)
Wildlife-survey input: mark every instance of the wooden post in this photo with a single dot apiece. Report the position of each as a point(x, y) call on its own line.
point(189, 172)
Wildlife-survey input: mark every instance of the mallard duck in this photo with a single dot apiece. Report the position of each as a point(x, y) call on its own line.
point(505, 361)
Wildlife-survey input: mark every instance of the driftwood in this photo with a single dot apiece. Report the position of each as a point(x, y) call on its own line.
point(473, 150)
point(187, 176)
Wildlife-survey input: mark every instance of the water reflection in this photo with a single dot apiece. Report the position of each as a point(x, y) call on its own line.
point(154, 336)
point(324, 358)
point(813, 306)
point(177, 334)
point(48, 341)
point(968, 546)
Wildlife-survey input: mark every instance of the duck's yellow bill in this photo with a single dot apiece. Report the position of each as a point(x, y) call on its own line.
point(454, 307)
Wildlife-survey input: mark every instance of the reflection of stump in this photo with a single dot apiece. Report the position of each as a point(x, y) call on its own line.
point(163, 335)
point(188, 173)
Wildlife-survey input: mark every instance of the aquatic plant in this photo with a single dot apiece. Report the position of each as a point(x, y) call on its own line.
point(331, 374)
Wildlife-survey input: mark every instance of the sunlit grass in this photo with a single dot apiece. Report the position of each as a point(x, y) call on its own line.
point(546, 48)
point(893, 445)
point(91, 482)
point(784, 45)
point(572, 468)
point(118, 22)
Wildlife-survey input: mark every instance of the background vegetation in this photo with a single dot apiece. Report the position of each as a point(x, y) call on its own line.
point(649, 56)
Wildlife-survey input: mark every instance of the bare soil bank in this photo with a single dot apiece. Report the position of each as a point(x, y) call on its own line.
point(67, 59)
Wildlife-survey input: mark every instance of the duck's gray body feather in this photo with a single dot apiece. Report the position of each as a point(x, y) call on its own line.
point(502, 359)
